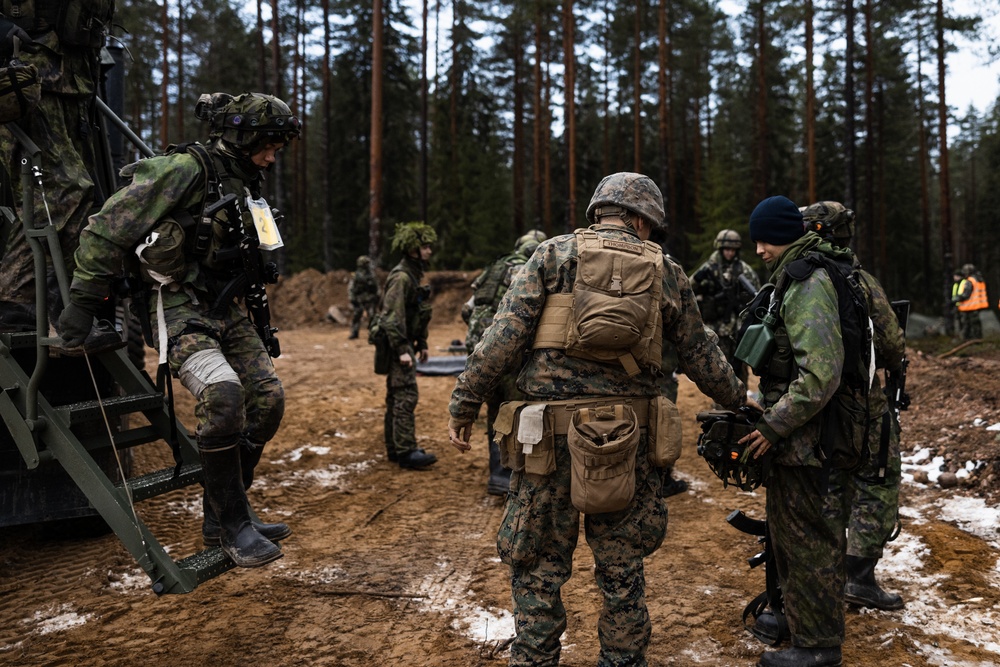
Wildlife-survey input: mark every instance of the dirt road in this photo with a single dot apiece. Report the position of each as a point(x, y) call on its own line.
point(392, 567)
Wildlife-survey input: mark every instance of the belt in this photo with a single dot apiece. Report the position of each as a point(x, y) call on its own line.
point(562, 411)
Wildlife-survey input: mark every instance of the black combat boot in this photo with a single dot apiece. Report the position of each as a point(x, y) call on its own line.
point(224, 492)
point(211, 531)
point(670, 485)
point(499, 482)
point(862, 589)
point(797, 656)
point(416, 459)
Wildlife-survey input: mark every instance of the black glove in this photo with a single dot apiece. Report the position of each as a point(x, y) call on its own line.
point(75, 323)
point(8, 31)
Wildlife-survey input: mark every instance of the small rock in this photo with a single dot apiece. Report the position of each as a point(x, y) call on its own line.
point(920, 476)
point(948, 480)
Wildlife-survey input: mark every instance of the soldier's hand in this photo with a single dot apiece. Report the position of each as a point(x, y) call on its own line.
point(754, 404)
point(756, 443)
point(406, 360)
point(75, 324)
point(459, 433)
point(8, 31)
point(422, 356)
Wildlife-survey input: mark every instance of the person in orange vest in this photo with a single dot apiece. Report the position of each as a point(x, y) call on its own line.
point(969, 295)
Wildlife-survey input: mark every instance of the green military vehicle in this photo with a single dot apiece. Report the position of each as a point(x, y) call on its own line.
point(68, 425)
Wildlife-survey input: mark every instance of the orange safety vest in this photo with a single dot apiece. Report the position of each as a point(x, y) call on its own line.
point(977, 301)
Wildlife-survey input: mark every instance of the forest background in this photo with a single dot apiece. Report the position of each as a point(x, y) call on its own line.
point(527, 104)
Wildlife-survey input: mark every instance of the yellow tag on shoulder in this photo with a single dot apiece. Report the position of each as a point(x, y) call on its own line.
point(263, 221)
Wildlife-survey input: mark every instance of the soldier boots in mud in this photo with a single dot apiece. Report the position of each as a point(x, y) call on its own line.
point(862, 589)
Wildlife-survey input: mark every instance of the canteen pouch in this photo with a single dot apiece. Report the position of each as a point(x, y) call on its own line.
point(602, 444)
point(665, 432)
point(505, 435)
point(756, 347)
point(536, 439)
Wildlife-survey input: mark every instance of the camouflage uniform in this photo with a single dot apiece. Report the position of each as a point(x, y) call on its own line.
point(63, 128)
point(721, 297)
point(405, 317)
point(249, 403)
point(363, 293)
point(540, 527)
point(808, 547)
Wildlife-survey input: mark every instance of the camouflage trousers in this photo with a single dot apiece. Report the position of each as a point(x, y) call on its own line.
point(360, 308)
point(68, 189)
point(237, 392)
point(808, 554)
point(970, 326)
point(871, 504)
point(401, 398)
point(537, 538)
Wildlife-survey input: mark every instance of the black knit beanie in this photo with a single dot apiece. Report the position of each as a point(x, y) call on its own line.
point(777, 221)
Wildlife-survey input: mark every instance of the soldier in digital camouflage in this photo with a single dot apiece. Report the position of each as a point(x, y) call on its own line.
point(724, 285)
point(363, 293)
point(487, 290)
point(204, 334)
point(405, 315)
point(541, 521)
point(808, 546)
point(869, 495)
point(67, 56)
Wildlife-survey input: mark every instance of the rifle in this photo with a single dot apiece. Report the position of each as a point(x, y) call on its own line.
point(895, 381)
point(771, 598)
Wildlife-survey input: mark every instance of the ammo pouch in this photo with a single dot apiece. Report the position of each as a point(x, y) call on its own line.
point(665, 432)
point(844, 432)
point(602, 445)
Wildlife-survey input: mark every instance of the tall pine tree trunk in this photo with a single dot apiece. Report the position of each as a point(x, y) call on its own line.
point(181, 111)
point(867, 249)
point(165, 73)
point(518, 167)
point(261, 65)
point(850, 174)
point(925, 197)
point(637, 93)
point(810, 106)
point(569, 44)
point(761, 143)
point(944, 182)
point(327, 231)
point(539, 114)
point(423, 112)
point(375, 158)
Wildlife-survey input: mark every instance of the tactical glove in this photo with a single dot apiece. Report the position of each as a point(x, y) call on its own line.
point(8, 31)
point(77, 319)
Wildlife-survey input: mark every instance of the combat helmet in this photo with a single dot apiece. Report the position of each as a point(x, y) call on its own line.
point(831, 220)
point(411, 236)
point(633, 192)
point(968, 270)
point(526, 244)
point(363, 261)
point(248, 121)
point(728, 238)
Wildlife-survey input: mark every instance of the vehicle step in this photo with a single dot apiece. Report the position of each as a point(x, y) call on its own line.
point(114, 406)
point(161, 481)
point(207, 564)
point(19, 340)
point(123, 439)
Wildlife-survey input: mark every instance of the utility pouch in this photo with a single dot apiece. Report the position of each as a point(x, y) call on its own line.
point(505, 435)
point(845, 430)
point(665, 432)
point(383, 351)
point(536, 438)
point(602, 444)
point(756, 346)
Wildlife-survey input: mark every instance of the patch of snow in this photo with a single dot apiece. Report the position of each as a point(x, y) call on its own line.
point(328, 476)
point(56, 619)
point(296, 454)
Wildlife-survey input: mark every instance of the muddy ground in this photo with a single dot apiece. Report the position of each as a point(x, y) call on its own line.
point(392, 567)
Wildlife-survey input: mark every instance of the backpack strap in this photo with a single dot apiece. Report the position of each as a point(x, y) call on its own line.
point(213, 192)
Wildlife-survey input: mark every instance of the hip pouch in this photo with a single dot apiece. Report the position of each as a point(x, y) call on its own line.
point(524, 434)
point(665, 432)
point(602, 445)
point(846, 427)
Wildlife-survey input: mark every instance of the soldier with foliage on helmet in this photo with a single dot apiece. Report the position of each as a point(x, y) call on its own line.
point(487, 290)
point(363, 293)
point(724, 285)
point(196, 218)
point(969, 297)
point(404, 316)
point(590, 312)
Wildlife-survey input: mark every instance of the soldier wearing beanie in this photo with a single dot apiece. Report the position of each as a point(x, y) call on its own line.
point(808, 548)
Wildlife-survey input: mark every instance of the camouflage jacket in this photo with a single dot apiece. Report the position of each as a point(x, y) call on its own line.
point(809, 320)
point(549, 374)
point(159, 186)
point(406, 312)
point(486, 296)
point(363, 287)
point(721, 297)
